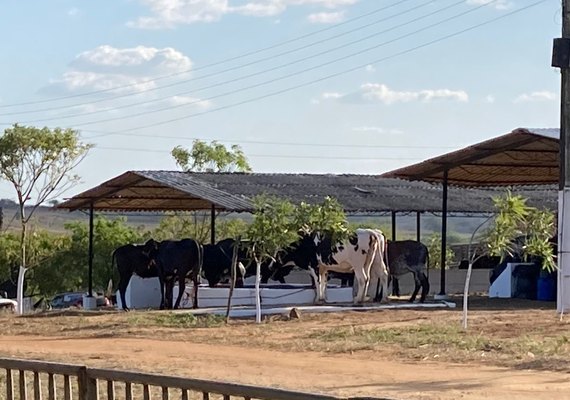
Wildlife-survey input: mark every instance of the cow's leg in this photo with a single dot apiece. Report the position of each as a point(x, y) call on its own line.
point(322, 285)
point(417, 287)
point(169, 288)
point(181, 289)
point(361, 278)
point(395, 286)
point(316, 283)
point(425, 286)
point(123, 284)
point(380, 274)
point(162, 290)
point(195, 293)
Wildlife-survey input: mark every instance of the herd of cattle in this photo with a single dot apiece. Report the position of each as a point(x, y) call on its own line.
point(365, 256)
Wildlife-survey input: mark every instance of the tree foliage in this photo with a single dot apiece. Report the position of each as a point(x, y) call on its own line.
point(521, 229)
point(213, 157)
point(38, 162)
point(434, 249)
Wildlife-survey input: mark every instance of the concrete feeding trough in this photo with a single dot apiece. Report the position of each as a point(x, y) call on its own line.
point(145, 293)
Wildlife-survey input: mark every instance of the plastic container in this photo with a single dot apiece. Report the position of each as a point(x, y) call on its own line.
point(546, 288)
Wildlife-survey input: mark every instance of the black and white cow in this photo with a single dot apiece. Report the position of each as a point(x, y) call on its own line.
point(132, 259)
point(362, 254)
point(176, 260)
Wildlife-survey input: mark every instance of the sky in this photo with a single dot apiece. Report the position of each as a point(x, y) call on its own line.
point(303, 86)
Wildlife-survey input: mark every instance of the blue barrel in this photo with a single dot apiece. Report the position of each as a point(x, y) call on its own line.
point(546, 290)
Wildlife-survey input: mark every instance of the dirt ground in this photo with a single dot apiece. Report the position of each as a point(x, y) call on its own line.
point(513, 349)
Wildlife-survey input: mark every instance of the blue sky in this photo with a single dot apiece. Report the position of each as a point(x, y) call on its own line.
point(411, 105)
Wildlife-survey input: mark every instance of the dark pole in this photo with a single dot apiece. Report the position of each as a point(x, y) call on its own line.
point(90, 261)
point(443, 232)
point(213, 225)
point(393, 225)
point(418, 226)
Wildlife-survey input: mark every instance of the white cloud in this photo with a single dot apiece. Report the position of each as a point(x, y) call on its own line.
point(370, 68)
point(331, 95)
point(170, 13)
point(496, 4)
point(327, 96)
point(326, 17)
point(106, 67)
point(490, 98)
point(382, 93)
point(544, 95)
point(377, 129)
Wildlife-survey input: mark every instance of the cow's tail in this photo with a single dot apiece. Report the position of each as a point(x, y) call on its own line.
point(200, 258)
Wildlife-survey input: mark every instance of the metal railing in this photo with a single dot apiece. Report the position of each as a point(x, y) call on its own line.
point(77, 382)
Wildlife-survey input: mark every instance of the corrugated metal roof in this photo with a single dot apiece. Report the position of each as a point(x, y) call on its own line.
point(156, 190)
point(521, 157)
point(175, 190)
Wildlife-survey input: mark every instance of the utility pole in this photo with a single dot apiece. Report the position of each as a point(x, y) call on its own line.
point(561, 59)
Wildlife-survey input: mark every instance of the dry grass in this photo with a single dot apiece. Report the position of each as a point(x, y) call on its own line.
point(521, 338)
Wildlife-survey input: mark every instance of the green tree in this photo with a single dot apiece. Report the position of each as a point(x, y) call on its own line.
point(273, 228)
point(39, 164)
point(213, 157)
point(434, 249)
point(202, 157)
point(277, 223)
point(516, 228)
point(108, 234)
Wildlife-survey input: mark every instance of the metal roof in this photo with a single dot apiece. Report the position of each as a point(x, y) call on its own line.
point(155, 191)
point(184, 191)
point(522, 157)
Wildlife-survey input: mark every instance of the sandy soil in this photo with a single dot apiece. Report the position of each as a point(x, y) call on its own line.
point(278, 355)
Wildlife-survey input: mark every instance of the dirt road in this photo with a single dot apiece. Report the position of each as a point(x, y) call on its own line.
point(361, 373)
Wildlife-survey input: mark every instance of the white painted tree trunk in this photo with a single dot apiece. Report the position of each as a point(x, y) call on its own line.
point(20, 290)
point(257, 293)
point(466, 294)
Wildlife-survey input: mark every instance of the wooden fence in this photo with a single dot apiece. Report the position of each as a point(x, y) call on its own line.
point(26, 380)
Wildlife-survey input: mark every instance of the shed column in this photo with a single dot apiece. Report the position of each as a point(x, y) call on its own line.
point(90, 259)
point(442, 295)
point(393, 225)
point(213, 225)
point(418, 226)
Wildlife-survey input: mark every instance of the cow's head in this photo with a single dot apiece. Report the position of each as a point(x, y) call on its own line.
point(150, 250)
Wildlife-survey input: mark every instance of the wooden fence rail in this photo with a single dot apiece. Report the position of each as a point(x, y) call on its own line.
point(82, 383)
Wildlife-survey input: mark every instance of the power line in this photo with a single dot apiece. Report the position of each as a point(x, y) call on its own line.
point(291, 88)
point(287, 64)
point(293, 156)
point(224, 61)
point(273, 80)
point(264, 142)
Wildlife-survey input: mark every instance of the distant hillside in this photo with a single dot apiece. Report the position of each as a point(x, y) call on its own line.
point(54, 220)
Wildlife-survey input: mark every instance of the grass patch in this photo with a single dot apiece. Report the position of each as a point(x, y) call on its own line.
point(176, 320)
point(430, 339)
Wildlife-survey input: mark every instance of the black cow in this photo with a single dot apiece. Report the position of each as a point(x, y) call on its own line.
point(176, 259)
point(405, 256)
point(217, 262)
point(132, 259)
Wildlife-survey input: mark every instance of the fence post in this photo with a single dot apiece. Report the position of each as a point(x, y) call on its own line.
point(88, 388)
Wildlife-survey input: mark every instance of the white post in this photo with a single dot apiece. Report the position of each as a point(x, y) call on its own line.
point(257, 294)
point(563, 301)
point(20, 290)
